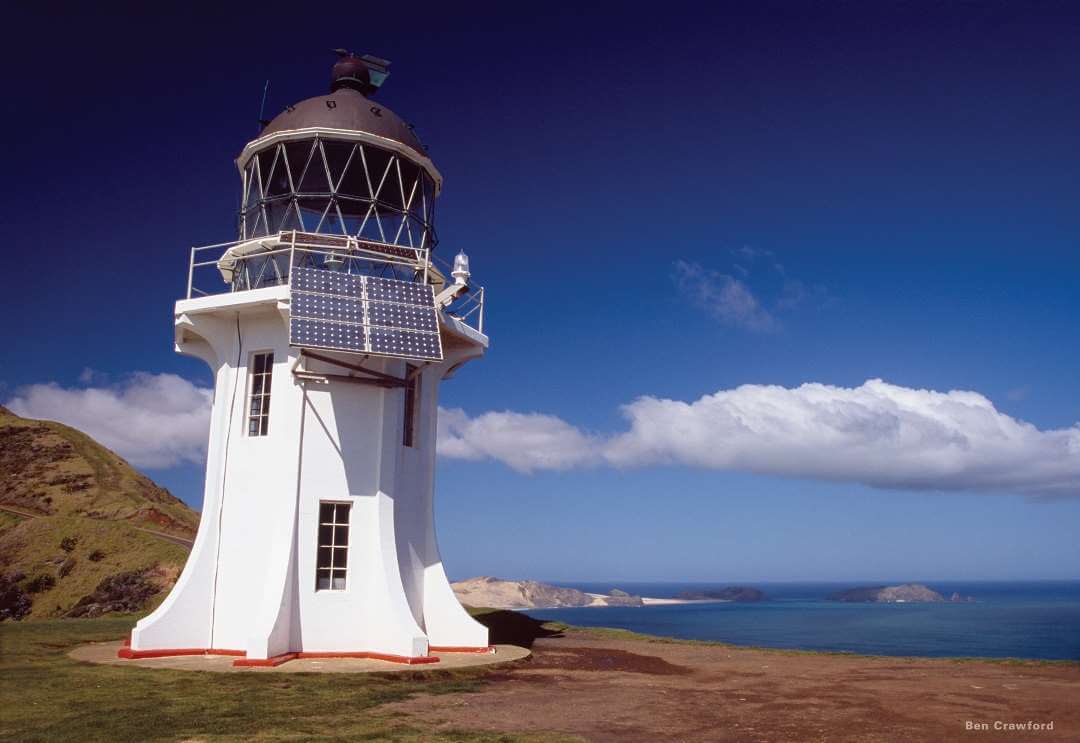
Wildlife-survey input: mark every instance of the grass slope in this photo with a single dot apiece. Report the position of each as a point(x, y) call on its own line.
point(58, 483)
point(32, 546)
point(48, 696)
point(47, 468)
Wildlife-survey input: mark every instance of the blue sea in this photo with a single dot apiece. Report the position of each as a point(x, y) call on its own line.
point(1006, 620)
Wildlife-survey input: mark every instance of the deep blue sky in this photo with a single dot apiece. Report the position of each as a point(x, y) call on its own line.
point(914, 166)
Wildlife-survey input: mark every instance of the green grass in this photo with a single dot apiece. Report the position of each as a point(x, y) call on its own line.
point(33, 547)
point(47, 696)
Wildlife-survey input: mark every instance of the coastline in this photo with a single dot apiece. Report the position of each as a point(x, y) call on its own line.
point(600, 599)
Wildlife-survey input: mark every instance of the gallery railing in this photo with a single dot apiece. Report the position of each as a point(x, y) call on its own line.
point(242, 265)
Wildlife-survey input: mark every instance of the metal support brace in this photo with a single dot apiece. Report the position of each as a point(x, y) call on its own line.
point(376, 378)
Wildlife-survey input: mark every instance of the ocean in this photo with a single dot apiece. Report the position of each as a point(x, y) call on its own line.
point(1038, 620)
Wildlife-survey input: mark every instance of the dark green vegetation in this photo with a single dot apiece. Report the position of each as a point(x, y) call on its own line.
point(47, 696)
point(78, 523)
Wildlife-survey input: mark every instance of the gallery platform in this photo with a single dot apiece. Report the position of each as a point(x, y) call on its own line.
point(105, 653)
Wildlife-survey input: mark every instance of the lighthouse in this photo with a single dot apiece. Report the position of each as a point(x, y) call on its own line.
point(329, 325)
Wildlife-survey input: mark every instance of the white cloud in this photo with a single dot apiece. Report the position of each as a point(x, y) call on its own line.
point(524, 441)
point(733, 301)
point(152, 420)
point(727, 298)
point(877, 434)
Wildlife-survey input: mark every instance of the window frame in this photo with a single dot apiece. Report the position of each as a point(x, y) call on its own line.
point(263, 380)
point(411, 405)
point(336, 527)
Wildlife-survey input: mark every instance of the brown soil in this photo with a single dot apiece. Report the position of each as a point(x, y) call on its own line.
point(580, 684)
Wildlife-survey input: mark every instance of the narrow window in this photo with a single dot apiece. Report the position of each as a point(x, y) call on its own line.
point(262, 366)
point(333, 546)
point(412, 399)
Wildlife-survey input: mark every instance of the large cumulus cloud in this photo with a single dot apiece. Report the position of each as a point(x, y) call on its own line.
point(877, 434)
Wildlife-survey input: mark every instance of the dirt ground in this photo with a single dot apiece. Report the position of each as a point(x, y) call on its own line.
point(579, 683)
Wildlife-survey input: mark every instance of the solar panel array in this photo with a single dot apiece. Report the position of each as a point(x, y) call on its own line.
point(363, 314)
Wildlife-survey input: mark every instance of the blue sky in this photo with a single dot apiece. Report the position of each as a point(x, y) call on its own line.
point(662, 205)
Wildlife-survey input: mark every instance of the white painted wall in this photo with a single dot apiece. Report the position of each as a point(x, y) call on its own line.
point(249, 583)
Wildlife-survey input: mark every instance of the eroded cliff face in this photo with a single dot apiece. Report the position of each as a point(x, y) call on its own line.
point(529, 594)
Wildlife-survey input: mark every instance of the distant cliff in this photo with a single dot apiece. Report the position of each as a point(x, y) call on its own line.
point(903, 594)
point(731, 593)
point(530, 594)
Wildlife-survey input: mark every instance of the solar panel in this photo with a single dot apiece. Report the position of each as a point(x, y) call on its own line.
point(408, 343)
point(339, 336)
point(404, 316)
point(363, 314)
point(326, 307)
point(405, 292)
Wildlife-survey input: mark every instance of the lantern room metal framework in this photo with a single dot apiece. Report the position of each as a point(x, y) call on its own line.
point(326, 185)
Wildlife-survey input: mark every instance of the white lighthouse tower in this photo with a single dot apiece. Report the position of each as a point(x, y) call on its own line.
point(328, 327)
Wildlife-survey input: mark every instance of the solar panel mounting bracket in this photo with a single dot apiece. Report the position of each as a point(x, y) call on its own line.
point(376, 378)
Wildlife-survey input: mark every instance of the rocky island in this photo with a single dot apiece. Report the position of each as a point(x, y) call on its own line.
point(731, 593)
point(908, 593)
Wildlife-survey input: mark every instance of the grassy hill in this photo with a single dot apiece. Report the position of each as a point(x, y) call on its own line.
point(79, 527)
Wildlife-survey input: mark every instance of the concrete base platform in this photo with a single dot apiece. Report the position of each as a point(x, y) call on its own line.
point(105, 653)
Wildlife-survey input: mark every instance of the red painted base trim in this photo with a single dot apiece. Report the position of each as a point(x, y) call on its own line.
point(277, 660)
point(243, 661)
point(411, 660)
point(453, 649)
point(127, 652)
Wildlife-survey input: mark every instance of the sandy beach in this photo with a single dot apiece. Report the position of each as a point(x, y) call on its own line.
point(599, 599)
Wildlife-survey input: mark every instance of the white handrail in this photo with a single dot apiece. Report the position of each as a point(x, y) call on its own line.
point(468, 305)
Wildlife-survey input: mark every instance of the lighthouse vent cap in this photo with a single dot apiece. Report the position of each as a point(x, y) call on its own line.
point(351, 72)
point(348, 105)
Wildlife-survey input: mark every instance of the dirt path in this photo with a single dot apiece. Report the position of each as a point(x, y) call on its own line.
point(182, 541)
point(633, 690)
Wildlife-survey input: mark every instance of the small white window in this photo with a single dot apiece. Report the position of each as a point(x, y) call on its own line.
point(262, 366)
point(333, 546)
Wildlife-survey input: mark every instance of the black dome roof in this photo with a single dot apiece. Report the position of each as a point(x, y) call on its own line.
point(345, 108)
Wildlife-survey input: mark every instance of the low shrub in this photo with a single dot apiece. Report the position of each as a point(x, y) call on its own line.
point(96, 556)
point(68, 544)
point(14, 601)
point(123, 592)
point(40, 583)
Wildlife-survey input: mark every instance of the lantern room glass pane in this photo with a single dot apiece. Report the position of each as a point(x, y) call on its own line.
point(338, 155)
point(378, 164)
point(277, 182)
point(313, 179)
point(298, 153)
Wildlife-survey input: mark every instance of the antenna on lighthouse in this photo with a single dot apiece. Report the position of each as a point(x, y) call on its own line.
point(263, 121)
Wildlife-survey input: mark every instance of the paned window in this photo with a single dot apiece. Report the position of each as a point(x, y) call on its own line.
point(333, 546)
point(262, 366)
